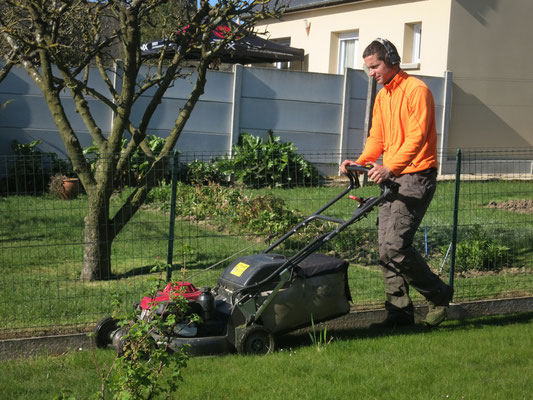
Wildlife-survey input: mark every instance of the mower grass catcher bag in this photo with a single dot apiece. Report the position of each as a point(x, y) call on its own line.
point(318, 289)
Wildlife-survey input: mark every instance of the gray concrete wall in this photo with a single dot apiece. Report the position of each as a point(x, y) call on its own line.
point(322, 114)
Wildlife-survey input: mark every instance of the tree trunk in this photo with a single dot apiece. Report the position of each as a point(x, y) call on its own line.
point(97, 240)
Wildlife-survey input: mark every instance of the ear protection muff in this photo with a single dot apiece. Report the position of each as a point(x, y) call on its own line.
point(392, 57)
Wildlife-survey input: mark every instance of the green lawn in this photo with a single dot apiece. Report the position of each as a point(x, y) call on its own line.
point(485, 358)
point(41, 250)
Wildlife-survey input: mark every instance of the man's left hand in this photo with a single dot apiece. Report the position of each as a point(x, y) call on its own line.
point(379, 173)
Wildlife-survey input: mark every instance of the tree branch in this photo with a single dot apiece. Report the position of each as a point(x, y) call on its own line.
point(10, 62)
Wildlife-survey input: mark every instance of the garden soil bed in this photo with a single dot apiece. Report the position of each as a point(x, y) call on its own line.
point(521, 206)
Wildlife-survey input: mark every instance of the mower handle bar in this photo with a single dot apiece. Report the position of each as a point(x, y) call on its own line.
point(358, 168)
point(353, 171)
point(387, 188)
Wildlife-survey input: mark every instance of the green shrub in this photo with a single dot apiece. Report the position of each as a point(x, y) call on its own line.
point(144, 369)
point(256, 163)
point(203, 173)
point(272, 162)
point(481, 252)
point(263, 215)
point(358, 245)
point(137, 162)
point(228, 209)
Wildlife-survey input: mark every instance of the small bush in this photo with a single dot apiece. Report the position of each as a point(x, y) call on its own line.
point(358, 245)
point(137, 163)
point(481, 252)
point(144, 368)
point(256, 163)
point(228, 209)
point(264, 215)
point(203, 173)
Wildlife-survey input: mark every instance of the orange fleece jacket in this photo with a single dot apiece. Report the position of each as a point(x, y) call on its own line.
point(403, 127)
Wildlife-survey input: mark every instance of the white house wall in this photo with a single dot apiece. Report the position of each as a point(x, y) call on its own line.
point(372, 19)
point(490, 56)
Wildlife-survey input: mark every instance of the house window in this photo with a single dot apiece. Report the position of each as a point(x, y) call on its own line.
point(412, 44)
point(348, 44)
point(417, 36)
point(282, 64)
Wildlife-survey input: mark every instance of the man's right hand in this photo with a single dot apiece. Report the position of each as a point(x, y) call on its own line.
point(343, 166)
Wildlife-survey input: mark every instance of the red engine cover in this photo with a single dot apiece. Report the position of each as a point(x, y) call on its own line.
point(172, 290)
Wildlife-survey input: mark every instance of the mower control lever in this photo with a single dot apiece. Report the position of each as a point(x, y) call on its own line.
point(360, 201)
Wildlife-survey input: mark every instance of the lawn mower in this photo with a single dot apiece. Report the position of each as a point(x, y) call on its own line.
point(260, 296)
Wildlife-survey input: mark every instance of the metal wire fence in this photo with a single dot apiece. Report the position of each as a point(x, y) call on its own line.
point(224, 210)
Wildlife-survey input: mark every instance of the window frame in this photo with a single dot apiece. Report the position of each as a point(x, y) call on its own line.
point(417, 42)
point(286, 41)
point(345, 37)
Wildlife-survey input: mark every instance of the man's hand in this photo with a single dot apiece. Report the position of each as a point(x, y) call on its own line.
point(379, 173)
point(343, 166)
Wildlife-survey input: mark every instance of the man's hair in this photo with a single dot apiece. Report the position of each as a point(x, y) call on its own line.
point(377, 48)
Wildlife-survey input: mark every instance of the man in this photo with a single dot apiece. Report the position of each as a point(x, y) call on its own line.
point(403, 132)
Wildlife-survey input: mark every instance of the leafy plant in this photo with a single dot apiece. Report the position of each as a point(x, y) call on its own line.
point(355, 244)
point(203, 173)
point(227, 208)
point(144, 368)
point(256, 163)
point(269, 163)
point(263, 215)
point(481, 252)
point(137, 162)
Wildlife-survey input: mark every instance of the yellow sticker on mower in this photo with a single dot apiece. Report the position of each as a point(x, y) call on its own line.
point(239, 269)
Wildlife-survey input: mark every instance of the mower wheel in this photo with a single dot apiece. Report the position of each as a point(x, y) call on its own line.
point(103, 330)
point(255, 339)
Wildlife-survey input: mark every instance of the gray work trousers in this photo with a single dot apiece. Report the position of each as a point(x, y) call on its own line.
point(402, 265)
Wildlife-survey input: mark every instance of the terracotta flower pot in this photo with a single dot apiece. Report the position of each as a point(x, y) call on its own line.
point(71, 188)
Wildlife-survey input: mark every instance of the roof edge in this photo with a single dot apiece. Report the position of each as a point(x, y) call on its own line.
point(304, 5)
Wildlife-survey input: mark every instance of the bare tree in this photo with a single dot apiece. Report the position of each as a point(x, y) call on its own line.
point(56, 41)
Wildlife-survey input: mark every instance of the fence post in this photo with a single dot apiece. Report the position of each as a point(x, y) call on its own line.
point(455, 214)
point(370, 100)
point(238, 71)
point(345, 115)
point(446, 115)
point(172, 222)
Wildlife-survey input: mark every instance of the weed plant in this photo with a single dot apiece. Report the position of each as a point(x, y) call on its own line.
point(145, 368)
